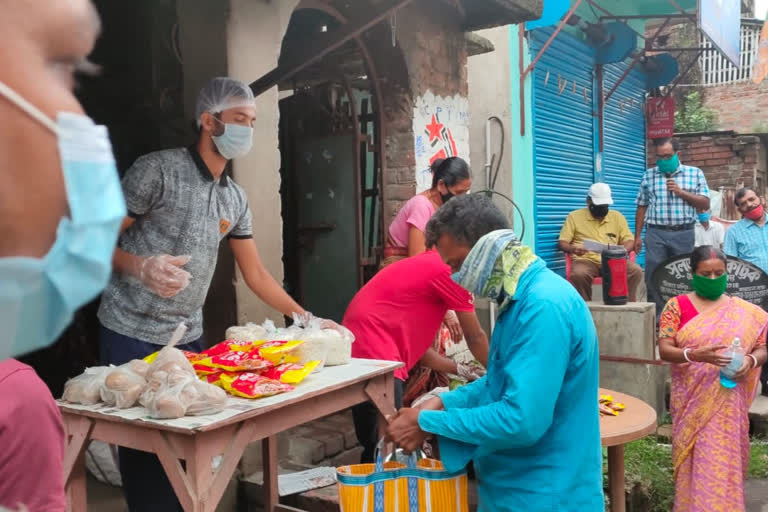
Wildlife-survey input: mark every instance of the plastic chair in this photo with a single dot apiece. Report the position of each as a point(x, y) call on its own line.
point(598, 280)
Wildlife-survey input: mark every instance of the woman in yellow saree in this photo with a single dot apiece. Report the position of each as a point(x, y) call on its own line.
point(710, 443)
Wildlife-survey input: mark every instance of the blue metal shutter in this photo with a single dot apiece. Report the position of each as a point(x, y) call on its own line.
point(563, 132)
point(624, 137)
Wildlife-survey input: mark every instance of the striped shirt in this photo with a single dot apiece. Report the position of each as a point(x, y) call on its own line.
point(664, 207)
point(748, 241)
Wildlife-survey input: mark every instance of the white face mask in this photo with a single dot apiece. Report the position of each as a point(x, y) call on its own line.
point(236, 141)
point(39, 296)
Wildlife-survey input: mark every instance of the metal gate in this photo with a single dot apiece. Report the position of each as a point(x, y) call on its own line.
point(624, 138)
point(563, 130)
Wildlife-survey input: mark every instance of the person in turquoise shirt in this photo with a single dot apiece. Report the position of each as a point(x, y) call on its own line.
point(531, 426)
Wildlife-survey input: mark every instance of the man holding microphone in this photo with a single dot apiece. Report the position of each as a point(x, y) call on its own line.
point(669, 196)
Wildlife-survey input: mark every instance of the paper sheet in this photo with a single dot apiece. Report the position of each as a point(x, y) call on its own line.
point(594, 246)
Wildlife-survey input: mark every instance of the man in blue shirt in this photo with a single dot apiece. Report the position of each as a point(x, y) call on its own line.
point(531, 426)
point(669, 196)
point(748, 240)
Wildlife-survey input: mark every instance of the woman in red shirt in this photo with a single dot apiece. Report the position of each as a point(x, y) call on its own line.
point(395, 317)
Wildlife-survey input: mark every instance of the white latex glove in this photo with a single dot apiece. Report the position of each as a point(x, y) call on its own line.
point(307, 321)
point(163, 274)
point(303, 320)
point(470, 372)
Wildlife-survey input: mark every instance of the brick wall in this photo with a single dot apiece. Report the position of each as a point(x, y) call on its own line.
point(431, 53)
point(740, 107)
point(727, 159)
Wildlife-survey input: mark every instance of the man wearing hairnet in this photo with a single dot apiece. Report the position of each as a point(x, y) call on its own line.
point(181, 205)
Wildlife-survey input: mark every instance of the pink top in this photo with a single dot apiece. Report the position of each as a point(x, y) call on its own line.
point(416, 212)
point(31, 442)
point(396, 315)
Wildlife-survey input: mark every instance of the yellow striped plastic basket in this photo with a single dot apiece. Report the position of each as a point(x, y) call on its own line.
point(421, 486)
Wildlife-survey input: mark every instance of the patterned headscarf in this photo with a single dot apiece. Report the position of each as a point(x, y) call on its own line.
point(495, 264)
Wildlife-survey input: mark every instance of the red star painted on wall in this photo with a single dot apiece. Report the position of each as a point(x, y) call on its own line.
point(434, 128)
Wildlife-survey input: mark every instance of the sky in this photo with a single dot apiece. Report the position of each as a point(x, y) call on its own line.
point(761, 6)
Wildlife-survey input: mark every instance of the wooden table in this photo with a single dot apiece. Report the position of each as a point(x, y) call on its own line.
point(635, 422)
point(200, 440)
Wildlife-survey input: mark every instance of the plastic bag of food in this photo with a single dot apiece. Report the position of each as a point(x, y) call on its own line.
point(123, 385)
point(173, 389)
point(314, 350)
point(235, 361)
point(339, 347)
point(281, 334)
point(86, 388)
point(279, 352)
point(428, 396)
point(291, 373)
point(247, 332)
point(252, 385)
point(175, 394)
point(202, 398)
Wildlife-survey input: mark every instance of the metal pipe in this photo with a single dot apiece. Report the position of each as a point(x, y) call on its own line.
point(492, 309)
point(552, 37)
point(488, 153)
point(603, 9)
point(635, 60)
point(683, 12)
point(520, 44)
point(642, 16)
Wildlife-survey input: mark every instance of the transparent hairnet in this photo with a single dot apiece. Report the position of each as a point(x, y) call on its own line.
point(222, 93)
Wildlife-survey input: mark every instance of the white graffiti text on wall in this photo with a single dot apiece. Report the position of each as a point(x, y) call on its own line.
point(441, 130)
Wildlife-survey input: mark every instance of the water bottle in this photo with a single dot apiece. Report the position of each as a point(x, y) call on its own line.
point(737, 358)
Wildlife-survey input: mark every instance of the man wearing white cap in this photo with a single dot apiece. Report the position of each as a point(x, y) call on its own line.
point(599, 223)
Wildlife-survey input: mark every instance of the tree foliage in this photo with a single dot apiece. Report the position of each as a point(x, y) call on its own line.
point(693, 116)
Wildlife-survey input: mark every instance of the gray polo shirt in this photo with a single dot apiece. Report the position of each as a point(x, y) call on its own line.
point(179, 210)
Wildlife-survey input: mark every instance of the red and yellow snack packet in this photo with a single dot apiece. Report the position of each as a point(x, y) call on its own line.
point(279, 352)
point(213, 378)
point(228, 346)
point(252, 385)
point(236, 361)
point(291, 373)
point(191, 356)
point(203, 368)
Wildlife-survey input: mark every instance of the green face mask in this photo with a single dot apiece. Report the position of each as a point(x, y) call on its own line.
point(709, 288)
point(668, 166)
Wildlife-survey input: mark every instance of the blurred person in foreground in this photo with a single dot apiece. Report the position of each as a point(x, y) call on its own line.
point(710, 440)
point(60, 211)
point(519, 422)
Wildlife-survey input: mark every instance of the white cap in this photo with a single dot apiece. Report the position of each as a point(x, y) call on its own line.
point(600, 193)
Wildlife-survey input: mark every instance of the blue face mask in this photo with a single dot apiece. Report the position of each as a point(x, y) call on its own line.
point(704, 217)
point(236, 141)
point(38, 297)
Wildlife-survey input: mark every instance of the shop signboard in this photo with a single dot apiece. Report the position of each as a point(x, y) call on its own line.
point(660, 120)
